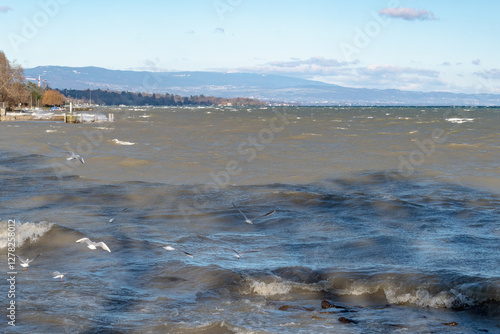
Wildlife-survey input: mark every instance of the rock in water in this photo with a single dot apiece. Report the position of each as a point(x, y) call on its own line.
point(326, 304)
point(347, 321)
point(453, 323)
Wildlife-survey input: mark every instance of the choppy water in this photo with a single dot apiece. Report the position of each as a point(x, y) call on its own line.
point(392, 213)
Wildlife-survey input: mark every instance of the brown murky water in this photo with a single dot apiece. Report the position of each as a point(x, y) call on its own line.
point(392, 213)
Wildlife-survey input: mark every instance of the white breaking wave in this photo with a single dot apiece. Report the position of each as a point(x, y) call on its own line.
point(458, 120)
point(462, 295)
point(272, 287)
point(119, 142)
point(423, 298)
point(23, 232)
point(89, 118)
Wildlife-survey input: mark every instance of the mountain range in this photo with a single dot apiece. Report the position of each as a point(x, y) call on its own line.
point(269, 88)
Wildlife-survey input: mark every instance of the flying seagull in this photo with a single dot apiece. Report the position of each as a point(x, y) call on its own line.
point(71, 155)
point(26, 263)
point(74, 156)
point(92, 245)
point(250, 221)
point(170, 248)
point(239, 255)
point(58, 275)
point(113, 218)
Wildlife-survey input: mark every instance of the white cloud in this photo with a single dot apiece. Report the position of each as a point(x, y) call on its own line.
point(408, 14)
point(476, 61)
point(308, 67)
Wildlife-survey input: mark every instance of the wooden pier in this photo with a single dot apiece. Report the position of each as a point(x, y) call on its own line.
point(73, 118)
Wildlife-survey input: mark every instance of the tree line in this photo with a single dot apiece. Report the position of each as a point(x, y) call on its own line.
point(107, 97)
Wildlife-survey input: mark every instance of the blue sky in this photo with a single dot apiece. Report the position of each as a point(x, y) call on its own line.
point(447, 45)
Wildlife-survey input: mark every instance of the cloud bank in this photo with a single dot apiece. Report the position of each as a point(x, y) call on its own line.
point(318, 61)
point(408, 14)
point(378, 76)
point(489, 74)
point(307, 67)
point(394, 71)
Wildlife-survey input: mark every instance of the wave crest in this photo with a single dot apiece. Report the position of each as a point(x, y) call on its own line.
point(424, 298)
point(120, 142)
point(434, 290)
point(422, 290)
point(24, 232)
point(269, 288)
point(459, 120)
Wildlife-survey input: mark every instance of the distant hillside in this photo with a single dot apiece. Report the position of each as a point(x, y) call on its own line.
point(257, 86)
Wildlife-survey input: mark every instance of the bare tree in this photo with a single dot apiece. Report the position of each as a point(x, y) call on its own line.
point(12, 88)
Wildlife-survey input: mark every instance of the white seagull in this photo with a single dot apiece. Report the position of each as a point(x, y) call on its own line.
point(239, 255)
point(26, 263)
point(92, 245)
point(74, 156)
point(58, 275)
point(250, 221)
point(113, 218)
point(170, 248)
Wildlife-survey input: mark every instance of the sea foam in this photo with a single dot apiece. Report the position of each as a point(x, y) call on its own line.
point(458, 120)
point(270, 288)
point(119, 142)
point(424, 294)
point(24, 232)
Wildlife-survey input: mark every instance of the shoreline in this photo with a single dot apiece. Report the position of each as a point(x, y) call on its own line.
point(64, 118)
point(15, 117)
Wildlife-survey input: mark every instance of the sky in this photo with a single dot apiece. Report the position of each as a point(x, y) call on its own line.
point(418, 45)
